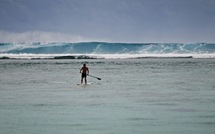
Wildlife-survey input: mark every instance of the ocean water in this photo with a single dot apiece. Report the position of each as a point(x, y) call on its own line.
point(105, 50)
point(134, 96)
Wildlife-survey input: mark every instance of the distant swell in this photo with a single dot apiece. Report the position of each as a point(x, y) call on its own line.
point(104, 50)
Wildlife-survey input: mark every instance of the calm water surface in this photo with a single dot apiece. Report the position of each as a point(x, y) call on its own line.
point(135, 96)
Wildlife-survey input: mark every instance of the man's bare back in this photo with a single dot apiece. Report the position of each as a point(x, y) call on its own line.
point(84, 72)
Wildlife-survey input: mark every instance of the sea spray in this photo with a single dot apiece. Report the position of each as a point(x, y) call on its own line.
point(107, 50)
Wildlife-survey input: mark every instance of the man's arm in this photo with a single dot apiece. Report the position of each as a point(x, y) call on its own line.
point(81, 69)
point(88, 72)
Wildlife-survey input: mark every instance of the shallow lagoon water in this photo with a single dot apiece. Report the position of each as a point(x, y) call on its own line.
point(156, 96)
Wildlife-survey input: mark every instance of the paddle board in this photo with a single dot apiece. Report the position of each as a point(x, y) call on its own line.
point(84, 84)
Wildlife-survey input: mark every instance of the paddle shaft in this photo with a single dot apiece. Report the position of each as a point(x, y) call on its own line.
point(94, 77)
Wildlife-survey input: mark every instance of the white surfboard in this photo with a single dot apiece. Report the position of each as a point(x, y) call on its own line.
point(84, 84)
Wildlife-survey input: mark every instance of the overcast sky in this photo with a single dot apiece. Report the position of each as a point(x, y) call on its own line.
point(107, 20)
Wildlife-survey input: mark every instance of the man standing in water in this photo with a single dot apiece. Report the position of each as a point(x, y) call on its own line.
point(84, 72)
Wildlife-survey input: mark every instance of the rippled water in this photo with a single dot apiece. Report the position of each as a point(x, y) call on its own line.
point(169, 96)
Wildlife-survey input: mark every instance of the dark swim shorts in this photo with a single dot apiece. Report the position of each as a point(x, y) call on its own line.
point(83, 75)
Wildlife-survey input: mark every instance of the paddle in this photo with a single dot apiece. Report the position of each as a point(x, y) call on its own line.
point(94, 77)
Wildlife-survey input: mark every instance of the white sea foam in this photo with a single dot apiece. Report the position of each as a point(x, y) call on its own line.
point(107, 50)
point(106, 56)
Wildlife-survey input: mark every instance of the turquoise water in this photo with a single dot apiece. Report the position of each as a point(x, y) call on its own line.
point(134, 96)
point(105, 50)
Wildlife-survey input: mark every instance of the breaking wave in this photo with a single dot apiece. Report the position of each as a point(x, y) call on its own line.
point(107, 50)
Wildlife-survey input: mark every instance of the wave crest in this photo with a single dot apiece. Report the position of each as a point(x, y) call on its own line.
point(104, 48)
